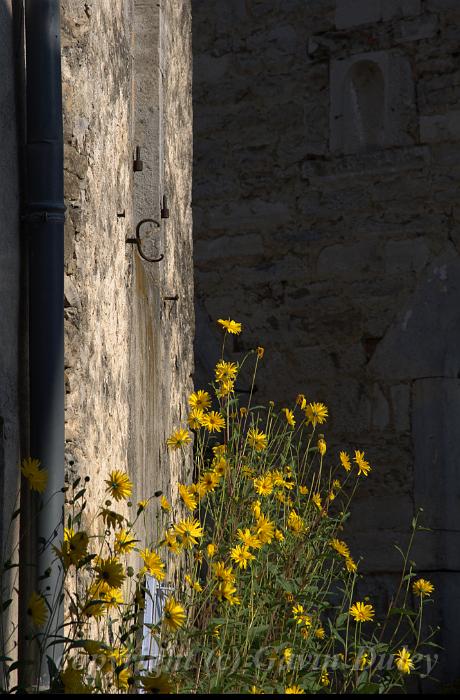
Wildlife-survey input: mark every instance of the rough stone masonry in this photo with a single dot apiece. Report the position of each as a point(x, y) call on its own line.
point(331, 228)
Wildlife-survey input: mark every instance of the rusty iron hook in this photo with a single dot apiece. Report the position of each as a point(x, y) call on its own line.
point(138, 241)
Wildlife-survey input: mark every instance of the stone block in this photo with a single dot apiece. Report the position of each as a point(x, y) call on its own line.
point(440, 127)
point(352, 13)
point(400, 407)
point(406, 256)
point(417, 29)
point(400, 8)
point(372, 102)
point(424, 337)
point(348, 260)
point(435, 402)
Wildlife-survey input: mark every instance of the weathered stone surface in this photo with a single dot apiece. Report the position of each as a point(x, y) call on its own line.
point(128, 352)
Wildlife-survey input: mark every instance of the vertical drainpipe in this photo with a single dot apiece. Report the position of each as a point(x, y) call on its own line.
point(44, 219)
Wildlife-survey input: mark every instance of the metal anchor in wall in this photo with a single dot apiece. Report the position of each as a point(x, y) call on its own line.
point(138, 240)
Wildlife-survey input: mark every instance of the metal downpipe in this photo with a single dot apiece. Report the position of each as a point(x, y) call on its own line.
point(44, 220)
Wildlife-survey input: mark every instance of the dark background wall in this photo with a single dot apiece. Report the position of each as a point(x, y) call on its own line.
point(327, 220)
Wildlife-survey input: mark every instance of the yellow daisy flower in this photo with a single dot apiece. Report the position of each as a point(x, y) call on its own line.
point(153, 563)
point(124, 542)
point(225, 591)
point(213, 422)
point(321, 444)
point(404, 662)
point(230, 326)
point(264, 529)
point(188, 532)
point(187, 497)
point(222, 573)
point(159, 684)
point(249, 539)
point(294, 690)
point(241, 555)
point(289, 417)
point(165, 504)
point(195, 418)
point(110, 572)
point(173, 615)
point(316, 413)
point(257, 439)
point(263, 485)
point(422, 587)
point(37, 478)
point(119, 485)
point(178, 438)
point(37, 610)
point(226, 371)
point(363, 465)
point(200, 400)
point(345, 461)
point(362, 612)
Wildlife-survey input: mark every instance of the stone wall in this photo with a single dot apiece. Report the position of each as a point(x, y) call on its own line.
point(327, 140)
point(128, 351)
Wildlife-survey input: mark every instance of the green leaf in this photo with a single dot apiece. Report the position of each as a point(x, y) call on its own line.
point(368, 689)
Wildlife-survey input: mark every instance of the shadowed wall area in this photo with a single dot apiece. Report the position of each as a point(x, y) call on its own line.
point(326, 220)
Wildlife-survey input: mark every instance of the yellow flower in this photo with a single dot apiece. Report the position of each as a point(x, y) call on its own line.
point(193, 584)
point(174, 614)
point(363, 465)
point(249, 539)
point(219, 450)
point(124, 678)
point(230, 326)
point(316, 413)
point(322, 446)
point(263, 485)
point(112, 596)
point(124, 541)
point(289, 417)
point(211, 549)
point(195, 418)
point(303, 490)
point(279, 536)
point(225, 592)
point(209, 481)
point(220, 466)
point(361, 612)
point(325, 678)
point(225, 388)
point(320, 633)
point(301, 401)
point(260, 352)
point(350, 564)
point(165, 504)
point(264, 529)
point(257, 439)
point(72, 680)
point(241, 555)
point(226, 371)
point(158, 684)
point(254, 690)
point(200, 400)
point(300, 616)
point(295, 523)
point(110, 572)
point(223, 574)
point(345, 461)
point(119, 485)
point(255, 507)
point(404, 662)
point(422, 587)
point(316, 498)
point(187, 497)
point(170, 541)
point(141, 505)
point(294, 690)
point(213, 422)
point(153, 563)
point(37, 610)
point(340, 547)
point(74, 547)
point(198, 490)
point(188, 531)
point(178, 438)
point(37, 478)
point(336, 484)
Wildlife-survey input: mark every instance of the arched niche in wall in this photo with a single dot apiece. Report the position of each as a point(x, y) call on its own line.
point(363, 125)
point(372, 103)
